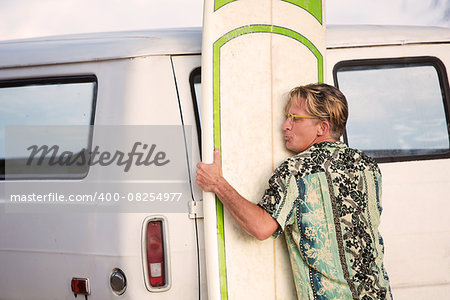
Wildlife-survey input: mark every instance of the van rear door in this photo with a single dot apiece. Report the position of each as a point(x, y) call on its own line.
point(187, 79)
point(40, 252)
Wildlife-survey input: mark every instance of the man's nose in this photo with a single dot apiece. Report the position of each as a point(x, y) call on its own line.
point(287, 125)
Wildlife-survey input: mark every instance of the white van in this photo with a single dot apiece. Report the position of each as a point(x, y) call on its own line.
point(396, 82)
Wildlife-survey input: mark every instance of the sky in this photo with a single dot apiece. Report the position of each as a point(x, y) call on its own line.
point(32, 18)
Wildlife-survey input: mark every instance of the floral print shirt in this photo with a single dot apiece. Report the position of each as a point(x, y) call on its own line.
point(327, 203)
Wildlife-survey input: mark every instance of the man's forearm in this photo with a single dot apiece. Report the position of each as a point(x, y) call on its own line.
point(253, 218)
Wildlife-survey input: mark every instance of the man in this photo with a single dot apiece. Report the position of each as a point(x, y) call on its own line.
point(325, 200)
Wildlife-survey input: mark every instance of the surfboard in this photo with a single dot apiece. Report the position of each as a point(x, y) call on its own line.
point(253, 53)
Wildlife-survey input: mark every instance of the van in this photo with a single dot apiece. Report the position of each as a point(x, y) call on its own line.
point(396, 82)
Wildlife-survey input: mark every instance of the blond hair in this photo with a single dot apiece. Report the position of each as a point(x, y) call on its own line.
point(324, 102)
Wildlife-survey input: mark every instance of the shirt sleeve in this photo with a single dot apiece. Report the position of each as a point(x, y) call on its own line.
point(280, 196)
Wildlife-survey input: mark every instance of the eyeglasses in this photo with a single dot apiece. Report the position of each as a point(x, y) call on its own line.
point(292, 118)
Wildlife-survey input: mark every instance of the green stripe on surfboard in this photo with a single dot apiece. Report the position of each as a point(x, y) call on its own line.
point(314, 7)
point(219, 3)
point(216, 107)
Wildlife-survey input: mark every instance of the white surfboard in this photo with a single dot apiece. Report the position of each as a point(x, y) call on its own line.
point(254, 52)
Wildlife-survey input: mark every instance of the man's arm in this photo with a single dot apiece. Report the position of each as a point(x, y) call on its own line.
point(253, 218)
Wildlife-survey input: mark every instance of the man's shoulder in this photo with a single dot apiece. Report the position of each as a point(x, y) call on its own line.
point(307, 162)
point(353, 160)
point(285, 168)
point(324, 156)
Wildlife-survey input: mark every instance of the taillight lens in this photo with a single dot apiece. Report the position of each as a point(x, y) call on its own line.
point(80, 286)
point(155, 254)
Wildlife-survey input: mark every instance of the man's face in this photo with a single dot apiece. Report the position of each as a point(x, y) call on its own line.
point(300, 134)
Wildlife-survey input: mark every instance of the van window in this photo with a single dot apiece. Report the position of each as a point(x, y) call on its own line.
point(196, 92)
point(398, 108)
point(38, 107)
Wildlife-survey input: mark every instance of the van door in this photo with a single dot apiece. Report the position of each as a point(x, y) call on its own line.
point(41, 251)
point(399, 114)
point(187, 79)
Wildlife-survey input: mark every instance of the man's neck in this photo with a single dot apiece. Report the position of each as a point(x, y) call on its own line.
point(322, 139)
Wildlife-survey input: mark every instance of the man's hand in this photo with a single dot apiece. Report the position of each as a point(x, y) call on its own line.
point(210, 175)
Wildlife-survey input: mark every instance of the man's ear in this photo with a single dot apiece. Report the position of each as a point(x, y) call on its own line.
point(324, 128)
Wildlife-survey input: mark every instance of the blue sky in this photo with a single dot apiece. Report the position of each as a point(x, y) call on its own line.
point(30, 18)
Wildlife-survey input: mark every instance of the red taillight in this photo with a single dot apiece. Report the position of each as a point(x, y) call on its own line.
point(155, 254)
point(80, 286)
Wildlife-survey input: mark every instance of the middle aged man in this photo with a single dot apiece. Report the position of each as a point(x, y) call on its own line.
point(325, 200)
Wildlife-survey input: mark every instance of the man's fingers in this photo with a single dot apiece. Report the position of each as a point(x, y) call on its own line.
point(208, 174)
